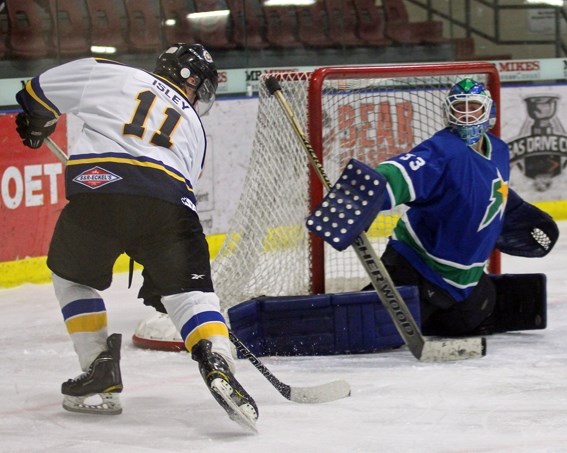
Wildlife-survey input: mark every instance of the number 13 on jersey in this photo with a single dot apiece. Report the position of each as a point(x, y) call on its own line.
point(414, 161)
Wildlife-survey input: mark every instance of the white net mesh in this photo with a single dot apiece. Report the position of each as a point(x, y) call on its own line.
point(266, 251)
point(367, 116)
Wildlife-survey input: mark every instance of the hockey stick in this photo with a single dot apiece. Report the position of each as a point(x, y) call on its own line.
point(421, 348)
point(58, 152)
point(323, 393)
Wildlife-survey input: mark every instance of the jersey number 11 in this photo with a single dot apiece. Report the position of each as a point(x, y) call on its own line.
point(161, 137)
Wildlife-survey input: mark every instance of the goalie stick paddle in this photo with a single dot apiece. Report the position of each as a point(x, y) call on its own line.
point(429, 350)
point(322, 393)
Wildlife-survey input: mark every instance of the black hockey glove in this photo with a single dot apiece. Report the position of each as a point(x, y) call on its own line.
point(34, 130)
point(528, 231)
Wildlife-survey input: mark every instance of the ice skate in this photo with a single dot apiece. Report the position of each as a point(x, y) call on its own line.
point(102, 379)
point(225, 388)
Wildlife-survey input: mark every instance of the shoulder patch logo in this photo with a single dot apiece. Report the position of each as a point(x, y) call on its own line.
point(96, 177)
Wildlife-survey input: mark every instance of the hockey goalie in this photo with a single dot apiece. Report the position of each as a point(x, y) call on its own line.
point(460, 207)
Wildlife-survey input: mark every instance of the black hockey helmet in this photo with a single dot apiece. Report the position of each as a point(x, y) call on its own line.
point(190, 65)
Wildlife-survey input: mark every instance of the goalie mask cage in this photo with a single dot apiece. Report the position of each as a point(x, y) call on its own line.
point(367, 112)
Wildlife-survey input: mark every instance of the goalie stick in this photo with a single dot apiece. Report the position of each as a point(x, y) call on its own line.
point(422, 348)
point(322, 393)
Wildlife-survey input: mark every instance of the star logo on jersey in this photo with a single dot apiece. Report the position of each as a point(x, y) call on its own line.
point(498, 197)
point(96, 177)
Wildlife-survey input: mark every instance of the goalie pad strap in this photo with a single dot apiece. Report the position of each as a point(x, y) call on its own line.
point(350, 206)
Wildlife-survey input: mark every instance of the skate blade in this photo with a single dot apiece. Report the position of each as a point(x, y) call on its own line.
point(109, 405)
point(244, 415)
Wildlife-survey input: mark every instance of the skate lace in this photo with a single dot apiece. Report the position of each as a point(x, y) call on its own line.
point(81, 377)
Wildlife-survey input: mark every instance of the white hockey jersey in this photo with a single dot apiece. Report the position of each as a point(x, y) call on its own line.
point(140, 136)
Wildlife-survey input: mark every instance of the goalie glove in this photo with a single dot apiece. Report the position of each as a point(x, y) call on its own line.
point(528, 231)
point(34, 130)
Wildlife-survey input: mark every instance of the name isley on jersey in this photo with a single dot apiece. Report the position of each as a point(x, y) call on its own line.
point(171, 94)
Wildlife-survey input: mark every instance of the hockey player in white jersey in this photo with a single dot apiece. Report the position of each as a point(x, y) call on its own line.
point(130, 184)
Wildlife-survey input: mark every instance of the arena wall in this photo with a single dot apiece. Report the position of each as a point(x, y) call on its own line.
point(534, 122)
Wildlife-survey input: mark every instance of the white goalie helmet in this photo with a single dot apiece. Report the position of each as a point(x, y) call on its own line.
point(469, 110)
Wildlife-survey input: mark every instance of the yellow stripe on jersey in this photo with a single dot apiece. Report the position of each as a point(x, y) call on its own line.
point(107, 60)
point(92, 322)
point(127, 161)
point(33, 94)
point(205, 331)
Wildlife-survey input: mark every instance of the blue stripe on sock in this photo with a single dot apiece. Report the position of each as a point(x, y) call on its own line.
point(198, 319)
point(82, 306)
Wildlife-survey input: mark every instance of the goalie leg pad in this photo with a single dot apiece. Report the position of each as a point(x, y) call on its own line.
point(350, 207)
point(321, 324)
point(521, 302)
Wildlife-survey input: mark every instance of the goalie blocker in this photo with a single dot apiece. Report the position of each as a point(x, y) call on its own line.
point(350, 206)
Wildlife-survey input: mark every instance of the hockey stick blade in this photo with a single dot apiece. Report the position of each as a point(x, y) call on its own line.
point(322, 393)
point(444, 350)
point(420, 347)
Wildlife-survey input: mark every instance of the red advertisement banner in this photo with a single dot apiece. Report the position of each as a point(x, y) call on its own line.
point(31, 192)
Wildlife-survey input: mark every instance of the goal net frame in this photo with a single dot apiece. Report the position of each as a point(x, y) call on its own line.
point(382, 98)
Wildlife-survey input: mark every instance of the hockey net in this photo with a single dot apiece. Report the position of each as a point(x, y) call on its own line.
point(369, 113)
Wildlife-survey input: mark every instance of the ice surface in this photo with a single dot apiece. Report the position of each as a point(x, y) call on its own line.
point(512, 400)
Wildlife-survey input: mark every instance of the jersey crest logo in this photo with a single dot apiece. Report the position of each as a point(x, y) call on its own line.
point(498, 197)
point(96, 177)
